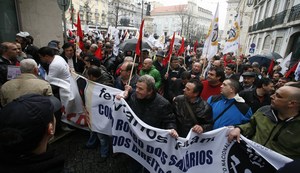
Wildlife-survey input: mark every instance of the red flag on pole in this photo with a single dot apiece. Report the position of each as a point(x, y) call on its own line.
point(79, 32)
point(270, 69)
point(195, 45)
point(292, 70)
point(167, 59)
point(139, 43)
point(98, 53)
point(181, 49)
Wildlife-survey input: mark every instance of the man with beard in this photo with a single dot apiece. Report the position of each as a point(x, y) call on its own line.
point(276, 126)
point(248, 81)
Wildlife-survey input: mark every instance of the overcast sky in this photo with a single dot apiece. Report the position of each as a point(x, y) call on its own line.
point(207, 4)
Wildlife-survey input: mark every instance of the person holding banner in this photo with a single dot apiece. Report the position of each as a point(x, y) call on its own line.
point(276, 126)
point(150, 107)
point(192, 111)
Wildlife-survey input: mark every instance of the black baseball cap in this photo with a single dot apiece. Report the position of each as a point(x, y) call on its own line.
point(24, 121)
point(249, 74)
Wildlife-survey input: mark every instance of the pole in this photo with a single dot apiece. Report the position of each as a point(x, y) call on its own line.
point(64, 20)
point(142, 16)
point(72, 14)
point(117, 14)
point(131, 71)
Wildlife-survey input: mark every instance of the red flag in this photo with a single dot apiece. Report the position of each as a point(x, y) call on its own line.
point(139, 43)
point(181, 49)
point(79, 33)
point(195, 45)
point(167, 59)
point(98, 53)
point(270, 69)
point(292, 70)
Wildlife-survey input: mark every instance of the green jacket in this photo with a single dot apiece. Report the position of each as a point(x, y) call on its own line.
point(155, 74)
point(278, 135)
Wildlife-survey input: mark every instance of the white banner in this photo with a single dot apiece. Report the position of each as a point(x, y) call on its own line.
point(210, 47)
point(157, 151)
point(285, 63)
point(232, 43)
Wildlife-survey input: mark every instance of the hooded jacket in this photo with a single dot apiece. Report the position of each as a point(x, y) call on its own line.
point(281, 136)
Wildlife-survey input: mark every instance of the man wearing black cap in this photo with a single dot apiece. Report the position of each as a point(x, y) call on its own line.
point(248, 81)
point(26, 126)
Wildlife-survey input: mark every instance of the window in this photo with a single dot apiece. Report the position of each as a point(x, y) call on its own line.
point(267, 9)
point(278, 42)
point(276, 6)
point(258, 43)
point(267, 43)
point(287, 4)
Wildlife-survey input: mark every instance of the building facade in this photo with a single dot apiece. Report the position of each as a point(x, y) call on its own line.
point(93, 14)
point(188, 20)
point(126, 12)
point(275, 27)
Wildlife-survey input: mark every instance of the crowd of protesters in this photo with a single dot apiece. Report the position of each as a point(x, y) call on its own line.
point(190, 92)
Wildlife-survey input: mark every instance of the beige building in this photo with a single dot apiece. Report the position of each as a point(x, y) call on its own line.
point(275, 27)
point(93, 14)
point(188, 20)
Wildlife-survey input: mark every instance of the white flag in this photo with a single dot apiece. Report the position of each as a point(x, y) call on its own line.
point(285, 63)
point(211, 43)
point(232, 42)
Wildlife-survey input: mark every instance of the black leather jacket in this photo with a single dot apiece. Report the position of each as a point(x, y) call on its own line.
point(155, 111)
point(202, 111)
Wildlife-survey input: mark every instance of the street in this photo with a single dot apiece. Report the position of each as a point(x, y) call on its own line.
point(80, 160)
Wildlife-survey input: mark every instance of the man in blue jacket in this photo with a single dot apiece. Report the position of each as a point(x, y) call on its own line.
point(229, 108)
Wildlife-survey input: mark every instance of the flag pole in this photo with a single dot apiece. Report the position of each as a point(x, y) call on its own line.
point(131, 71)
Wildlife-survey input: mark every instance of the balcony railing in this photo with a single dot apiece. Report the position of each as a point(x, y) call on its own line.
point(295, 13)
point(268, 22)
point(279, 18)
point(260, 25)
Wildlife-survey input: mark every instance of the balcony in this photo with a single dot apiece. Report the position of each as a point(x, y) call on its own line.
point(295, 13)
point(279, 18)
point(268, 22)
point(260, 25)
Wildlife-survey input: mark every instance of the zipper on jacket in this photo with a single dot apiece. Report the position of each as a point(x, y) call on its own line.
point(270, 134)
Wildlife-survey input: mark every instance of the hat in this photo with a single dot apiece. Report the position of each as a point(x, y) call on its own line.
point(93, 60)
point(160, 54)
point(23, 34)
point(145, 50)
point(53, 45)
point(249, 74)
point(23, 121)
